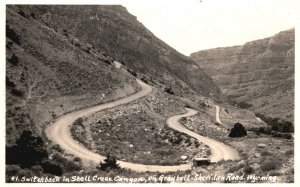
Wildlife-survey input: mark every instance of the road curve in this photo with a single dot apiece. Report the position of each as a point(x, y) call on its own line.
point(219, 150)
point(218, 114)
point(59, 132)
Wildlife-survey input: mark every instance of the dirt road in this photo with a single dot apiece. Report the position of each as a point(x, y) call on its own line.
point(59, 132)
point(219, 150)
point(218, 114)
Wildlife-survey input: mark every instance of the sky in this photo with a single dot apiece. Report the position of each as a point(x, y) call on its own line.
point(193, 25)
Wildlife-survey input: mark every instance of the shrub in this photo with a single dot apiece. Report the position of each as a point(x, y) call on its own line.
point(65, 164)
point(9, 83)
point(244, 105)
point(248, 169)
point(233, 169)
point(28, 151)
point(11, 34)
point(79, 122)
point(237, 131)
point(70, 166)
point(11, 170)
point(17, 92)
point(52, 168)
point(266, 153)
point(109, 163)
point(77, 159)
point(14, 60)
point(9, 44)
point(23, 14)
point(289, 152)
point(271, 164)
point(57, 148)
point(277, 124)
point(169, 91)
point(107, 61)
point(132, 72)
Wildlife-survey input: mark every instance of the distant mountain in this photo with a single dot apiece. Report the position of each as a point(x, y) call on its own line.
point(258, 75)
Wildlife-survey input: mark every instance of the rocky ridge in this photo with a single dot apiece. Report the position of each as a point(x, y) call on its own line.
point(258, 75)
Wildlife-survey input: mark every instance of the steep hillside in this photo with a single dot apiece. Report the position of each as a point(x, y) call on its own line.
point(120, 35)
point(49, 73)
point(258, 75)
point(54, 67)
point(60, 59)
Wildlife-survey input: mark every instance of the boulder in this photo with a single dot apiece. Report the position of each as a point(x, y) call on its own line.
point(261, 145)
point(183, 157)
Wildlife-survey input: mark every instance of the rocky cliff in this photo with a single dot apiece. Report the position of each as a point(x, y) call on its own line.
point(114, 30)
point(258, 75)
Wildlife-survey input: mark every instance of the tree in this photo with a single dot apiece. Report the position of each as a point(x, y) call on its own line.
point(110, 162)
point(237, 131)
point(28, 151)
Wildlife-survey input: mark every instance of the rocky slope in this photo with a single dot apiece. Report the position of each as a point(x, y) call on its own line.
point(60, 58)
point(49, 73)
point(118, 33)
point(258, 75)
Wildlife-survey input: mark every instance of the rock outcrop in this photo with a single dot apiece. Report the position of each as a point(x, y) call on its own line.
point(258, 75)
point(114, 30)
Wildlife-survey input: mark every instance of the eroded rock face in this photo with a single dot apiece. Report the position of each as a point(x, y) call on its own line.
point(258, 75)
point(114, 30)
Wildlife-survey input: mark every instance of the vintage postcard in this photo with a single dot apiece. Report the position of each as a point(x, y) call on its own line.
point(196, 91)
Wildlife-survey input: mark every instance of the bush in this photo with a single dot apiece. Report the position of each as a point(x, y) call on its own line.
point(77, 159)
point(289, 152)
point(78, 122)
point(9, 83)
point(248, 169)
point(169, 91)
point(52, 168)
point(233, 169)
point(282, 135)
point(11, 34)
point(110, 163)
point(237, 131)
point(17, 92)
point(132, 72)
point(266, 153)
point(244, 105)
point(9, 44)
point(65, 164)
point(14, 60)
point(277, 124)
point(11, 170)
point(28, 151)
point(271, 164)
point(23, 14)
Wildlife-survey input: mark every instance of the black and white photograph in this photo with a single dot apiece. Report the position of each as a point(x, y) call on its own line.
point(182, 91)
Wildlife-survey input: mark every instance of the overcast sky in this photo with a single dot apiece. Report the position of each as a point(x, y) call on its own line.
point(193, 25)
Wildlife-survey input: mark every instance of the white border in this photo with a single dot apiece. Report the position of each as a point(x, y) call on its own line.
point(2, 91)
